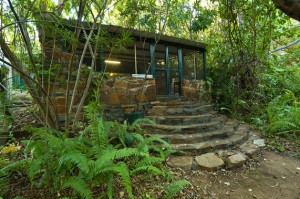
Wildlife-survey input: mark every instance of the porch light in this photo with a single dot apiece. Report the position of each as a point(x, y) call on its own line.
point(112, 62)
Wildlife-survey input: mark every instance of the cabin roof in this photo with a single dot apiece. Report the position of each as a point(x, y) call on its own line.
point(153, 36)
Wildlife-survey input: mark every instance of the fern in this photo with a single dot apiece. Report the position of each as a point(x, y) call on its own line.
point(76, 158)
point(137, 123)
point(110, 183)
point(92, 157)
point(174, 188)
point(283, 113)
point(126, 152)
point(79, 186)
point(36, 166)
point(122, 170)
point(151, 169)
point(149, 160)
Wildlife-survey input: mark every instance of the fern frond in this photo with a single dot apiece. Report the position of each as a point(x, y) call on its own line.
point(126, 152)
point(76, 158)
point(79, 186)
point(149, 160)
point(149, 168)
point(20, 165)
point(110, 188)
point(174, 188)
point(99, 133)
point(37, 147)
point(156, 139)
point(104, 159)
point(137, 123)
point(36, 165)
point(122, 170)
point(142, 145)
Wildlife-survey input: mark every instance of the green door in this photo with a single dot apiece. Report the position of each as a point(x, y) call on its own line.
point(167, 73)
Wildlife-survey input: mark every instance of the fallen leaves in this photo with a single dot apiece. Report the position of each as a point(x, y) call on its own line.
point(12, 148)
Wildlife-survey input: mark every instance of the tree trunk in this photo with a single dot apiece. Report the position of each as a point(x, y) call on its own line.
point(289, 7)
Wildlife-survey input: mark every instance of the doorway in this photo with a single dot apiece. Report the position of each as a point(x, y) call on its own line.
point(167, 73)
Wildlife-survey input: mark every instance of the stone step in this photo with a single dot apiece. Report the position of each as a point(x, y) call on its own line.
point(177, 103)
point(199, 137)
point(170, 110)
point(216, 124)
point(240, 136)
point(183, 119)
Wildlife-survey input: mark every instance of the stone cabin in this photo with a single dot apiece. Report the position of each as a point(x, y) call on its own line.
point(147, 69)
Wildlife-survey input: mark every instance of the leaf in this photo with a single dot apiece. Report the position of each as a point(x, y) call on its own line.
point(151, 169)
point(79, 186)
point(12, 148)
point(76, 158)
point(175, 188)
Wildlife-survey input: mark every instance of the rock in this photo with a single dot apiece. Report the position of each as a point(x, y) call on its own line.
point(249, 149)
point(122, 193)
point(174, 111)
point(235, 160)
point(224, 153)
point(183, 162)
point(209, 161)
point(259, 142)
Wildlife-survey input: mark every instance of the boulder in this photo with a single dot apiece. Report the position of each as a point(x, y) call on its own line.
point(259, 142)
point(183, 162)
point(209, 161)
point(249, 149)
point(236, 160)
point(224, 153)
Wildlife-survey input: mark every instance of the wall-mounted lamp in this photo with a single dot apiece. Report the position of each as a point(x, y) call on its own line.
point(112, 62)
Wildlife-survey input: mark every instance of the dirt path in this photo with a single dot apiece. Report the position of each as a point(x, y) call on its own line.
point(273, 176)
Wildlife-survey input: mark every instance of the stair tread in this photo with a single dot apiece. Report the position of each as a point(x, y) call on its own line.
point(195, 135)
point(193, 127)
point(190, 126)
point(177, 103)
point(183, 106)
point(212, 113)
point(214, 143)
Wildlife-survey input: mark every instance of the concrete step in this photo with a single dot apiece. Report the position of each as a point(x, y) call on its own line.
point(179, 110)
point(183, 119)
point(240, 136)
point(216, 124)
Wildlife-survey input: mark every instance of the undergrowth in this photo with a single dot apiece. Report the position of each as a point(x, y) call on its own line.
point(103, 155)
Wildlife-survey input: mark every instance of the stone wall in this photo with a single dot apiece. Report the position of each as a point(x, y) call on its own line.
point(196, 90)
point(58, 97)
point(120, 94)
point(122, 90)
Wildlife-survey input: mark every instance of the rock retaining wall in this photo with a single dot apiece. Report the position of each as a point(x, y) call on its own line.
point(120, 94)
point(128, 90)
point(196, 90)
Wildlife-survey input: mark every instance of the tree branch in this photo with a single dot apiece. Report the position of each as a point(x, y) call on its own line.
point(283, 47)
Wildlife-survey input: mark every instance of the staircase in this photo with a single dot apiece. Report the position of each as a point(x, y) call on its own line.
point(193, 127)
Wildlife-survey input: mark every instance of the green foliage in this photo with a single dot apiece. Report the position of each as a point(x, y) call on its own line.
point(247, 82)
point(102, 153)
point(276, 145)
point(283, 114)
point(203, 20)
point(175, 188)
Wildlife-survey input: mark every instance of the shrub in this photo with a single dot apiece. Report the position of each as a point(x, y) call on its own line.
point(101, 154)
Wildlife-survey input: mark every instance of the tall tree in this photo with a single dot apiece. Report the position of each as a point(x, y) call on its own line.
point(38, 67)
